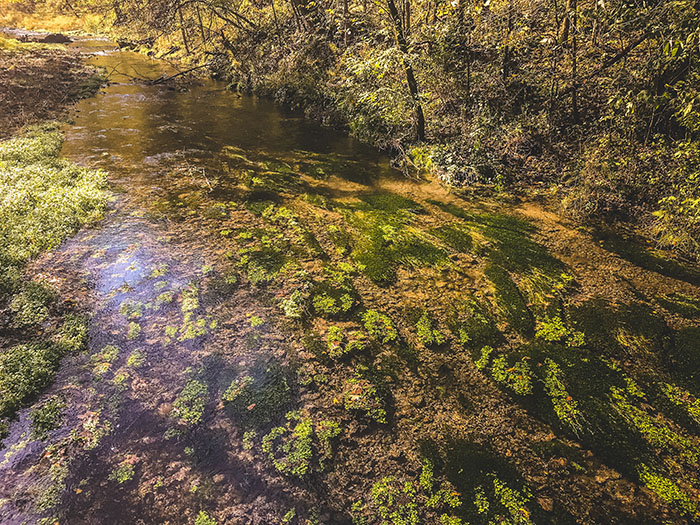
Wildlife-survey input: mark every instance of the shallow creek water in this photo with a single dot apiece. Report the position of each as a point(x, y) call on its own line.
point(226, 205)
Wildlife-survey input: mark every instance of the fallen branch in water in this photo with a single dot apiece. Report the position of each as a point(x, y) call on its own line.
point(161, 80)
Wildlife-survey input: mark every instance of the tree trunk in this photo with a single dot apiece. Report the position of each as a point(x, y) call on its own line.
point(574, 62)
point(182, 30)
point(410, 76)
point(345, 23)
point(506, 47)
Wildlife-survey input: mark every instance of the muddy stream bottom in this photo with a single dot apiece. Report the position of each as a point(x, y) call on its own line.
point(285, 330)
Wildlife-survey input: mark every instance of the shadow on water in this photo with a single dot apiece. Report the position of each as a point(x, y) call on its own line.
point(637, 253)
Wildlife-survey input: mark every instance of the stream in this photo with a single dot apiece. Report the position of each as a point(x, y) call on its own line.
point(226, 210)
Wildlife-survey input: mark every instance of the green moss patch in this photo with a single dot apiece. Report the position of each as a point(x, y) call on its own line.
point(47, 417)
point(44, 199)
point(25, 369)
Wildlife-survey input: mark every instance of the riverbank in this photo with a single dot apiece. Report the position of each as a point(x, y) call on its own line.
point(40, 82)
point(43, 200)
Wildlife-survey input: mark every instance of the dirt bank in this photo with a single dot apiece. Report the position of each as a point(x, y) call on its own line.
point(40, 81)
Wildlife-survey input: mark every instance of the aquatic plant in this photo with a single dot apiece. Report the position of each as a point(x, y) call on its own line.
point(307, 375)
point(24, 370)
point(507, 504)
point(47, 417)
point(359, 394)
point(123, 473)
point(670, 491)
point(255, 321)
point(44, 199)
point(31, 305)
point(164, 298)
point(484, 358)
point(50, 494)
point(259, 396)
point(510, 301)
point(134, 330)
point(683, 399)
point(294, 306)
point(426, 332)
point(335, 296)
point(289, 515)
point(655, 431)
point(237, 388)
point(104, 358)
point(72, 336)
point(327, 431)
point(379, 326)
point(403, 503)
point(472, 323)
point(249, 437)
point(341, 238)
point(131, 309)
point(517, 377)
point(204, 519)
point(554, 330)
point(565, 407)
point(263, 263)
point(340, 342)
point(159, 271)
point(136, 359)
point(456, 237)
point(395, 503)
point(289, 447)
point(335, 340)
point(189, 405)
